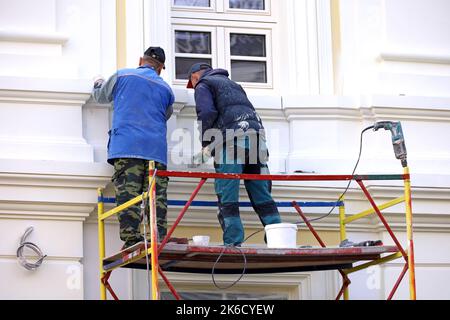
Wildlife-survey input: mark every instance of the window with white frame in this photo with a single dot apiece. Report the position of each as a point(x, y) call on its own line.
point(192, 45)
point(231, 34)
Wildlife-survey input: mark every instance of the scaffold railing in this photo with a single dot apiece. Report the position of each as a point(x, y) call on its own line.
point(156, 248)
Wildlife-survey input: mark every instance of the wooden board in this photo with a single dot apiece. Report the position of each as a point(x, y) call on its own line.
point(194, 259)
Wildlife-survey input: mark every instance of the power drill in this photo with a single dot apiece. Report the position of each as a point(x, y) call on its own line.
point(398, 140)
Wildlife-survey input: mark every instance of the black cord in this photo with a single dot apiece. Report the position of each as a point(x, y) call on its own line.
point(298, 223)
point(217, 261)
point(341, 196)
point(349, 183)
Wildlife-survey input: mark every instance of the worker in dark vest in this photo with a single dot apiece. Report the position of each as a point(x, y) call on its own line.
point(142, 104)
point(238, 145)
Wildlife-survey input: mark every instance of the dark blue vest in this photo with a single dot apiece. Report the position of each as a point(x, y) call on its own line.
point(234, 108)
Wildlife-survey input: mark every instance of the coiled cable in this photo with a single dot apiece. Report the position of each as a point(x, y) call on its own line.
point(20, 252)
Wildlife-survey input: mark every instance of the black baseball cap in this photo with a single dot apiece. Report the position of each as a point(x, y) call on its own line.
point(196, 68)
point(156, 53)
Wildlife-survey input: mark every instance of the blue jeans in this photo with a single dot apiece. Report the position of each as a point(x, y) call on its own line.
point(227, 191)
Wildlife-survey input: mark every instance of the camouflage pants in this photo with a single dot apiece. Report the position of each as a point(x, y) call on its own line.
point(131, 180)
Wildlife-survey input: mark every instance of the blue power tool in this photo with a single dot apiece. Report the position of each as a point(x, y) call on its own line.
point(398, 140)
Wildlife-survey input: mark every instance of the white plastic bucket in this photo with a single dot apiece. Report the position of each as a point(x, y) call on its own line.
point(200, 240)
point(281, 235)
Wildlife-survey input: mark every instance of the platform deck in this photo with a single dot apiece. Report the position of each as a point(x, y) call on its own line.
point(196, 259)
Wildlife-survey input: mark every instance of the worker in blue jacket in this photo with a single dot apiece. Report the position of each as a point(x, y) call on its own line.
point(142, 103)
point(238, 146)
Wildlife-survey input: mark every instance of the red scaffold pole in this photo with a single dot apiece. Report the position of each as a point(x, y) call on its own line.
point(182, 213)
point(397, 284)
point(346, 281)
point(169, 285)
point(383, 220)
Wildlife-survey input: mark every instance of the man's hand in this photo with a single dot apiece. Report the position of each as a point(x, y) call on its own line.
point(98, 82)
point(201, 157)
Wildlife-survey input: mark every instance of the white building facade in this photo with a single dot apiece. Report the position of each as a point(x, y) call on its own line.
point(317, 71)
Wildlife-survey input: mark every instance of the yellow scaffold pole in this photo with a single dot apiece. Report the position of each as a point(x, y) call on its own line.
point(409, 232)
point(101, 242)
point(343, 235)
point(154, 233)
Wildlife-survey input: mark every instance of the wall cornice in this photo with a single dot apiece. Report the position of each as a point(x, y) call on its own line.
point(405, 55)
point(13, 35)
point(375, 106)
point(36, 86)
point(50, 190)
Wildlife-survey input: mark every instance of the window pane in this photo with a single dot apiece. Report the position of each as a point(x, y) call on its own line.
point(193, 42)
point(249, 71)
point(183, 65)
point(192, 3)
point(248, 45)
point(248, 4)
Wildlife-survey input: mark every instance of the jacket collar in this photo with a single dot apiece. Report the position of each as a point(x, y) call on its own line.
point(147, 66)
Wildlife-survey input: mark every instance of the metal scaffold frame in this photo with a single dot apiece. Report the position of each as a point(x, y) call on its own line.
point(155, 249)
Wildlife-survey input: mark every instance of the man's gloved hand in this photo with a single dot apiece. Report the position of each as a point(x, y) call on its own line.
point(201, 157)
point(98, 82)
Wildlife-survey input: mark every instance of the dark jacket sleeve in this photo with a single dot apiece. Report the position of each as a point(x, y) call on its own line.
point(206, 110)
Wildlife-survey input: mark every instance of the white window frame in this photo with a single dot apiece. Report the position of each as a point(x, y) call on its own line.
point(282, 290)
point(221, 50)
point(267, 11)
point(194, 28)
point(298, 286)
point(220, 10)
point(268, 58)
point(212, 8)
point(221, 20)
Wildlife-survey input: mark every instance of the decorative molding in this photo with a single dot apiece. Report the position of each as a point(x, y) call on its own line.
point(299, 283)
point(404, 55)
point(33, 37)
point(50, 190)
point(21, 86)
point(42, 97)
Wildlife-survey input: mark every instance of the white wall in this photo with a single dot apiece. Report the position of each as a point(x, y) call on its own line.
point(395, 47)
point(391, 63)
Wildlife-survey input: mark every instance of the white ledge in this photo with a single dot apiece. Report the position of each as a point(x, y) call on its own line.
point(317, 101)
point(411, 102)
point(48, 85)
point(411, 56)
point(34, 37)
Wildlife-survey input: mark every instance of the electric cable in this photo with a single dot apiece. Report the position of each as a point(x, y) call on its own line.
point(217, 261)
point(298, 223)
point(20, 252)
point(349, 183)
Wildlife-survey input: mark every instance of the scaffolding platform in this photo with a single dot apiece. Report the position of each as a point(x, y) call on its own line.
point(177, 257)
point(258, 259)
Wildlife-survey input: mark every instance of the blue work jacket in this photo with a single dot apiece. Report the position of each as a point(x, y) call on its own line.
point(142, 103)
